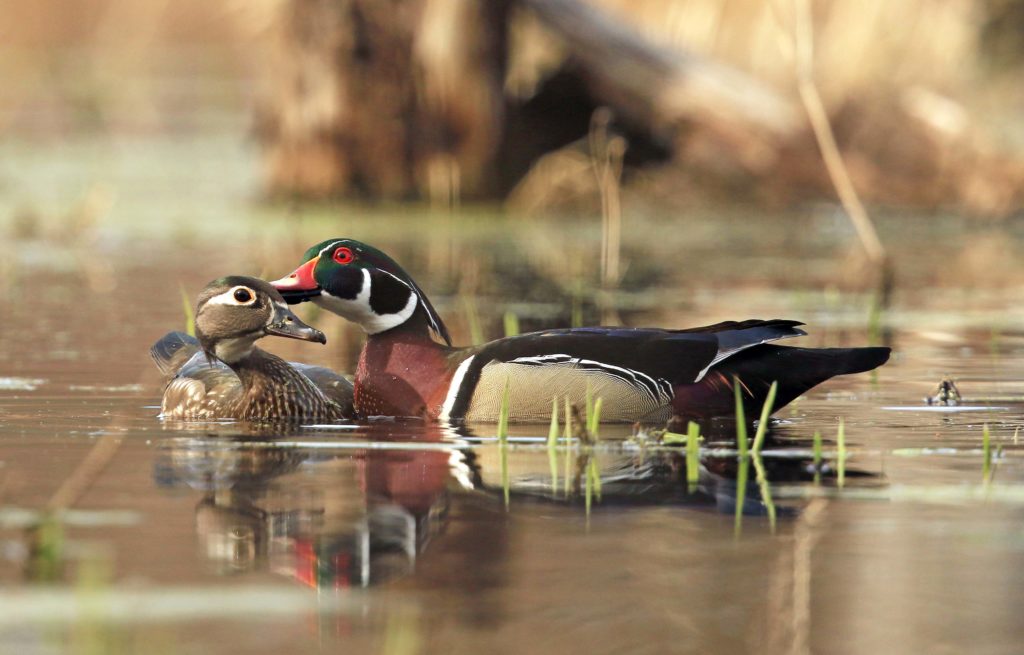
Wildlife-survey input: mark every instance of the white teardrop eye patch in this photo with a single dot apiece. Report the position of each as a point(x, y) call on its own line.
point(240, 295)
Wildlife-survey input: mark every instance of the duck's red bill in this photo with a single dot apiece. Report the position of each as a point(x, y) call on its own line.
point(300, 284)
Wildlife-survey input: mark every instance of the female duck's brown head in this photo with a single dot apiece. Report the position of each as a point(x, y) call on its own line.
point(234, 312)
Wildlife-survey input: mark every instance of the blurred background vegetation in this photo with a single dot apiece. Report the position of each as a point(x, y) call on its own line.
point(445, 101)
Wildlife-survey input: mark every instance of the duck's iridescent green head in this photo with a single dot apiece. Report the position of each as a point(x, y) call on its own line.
point(360, 283)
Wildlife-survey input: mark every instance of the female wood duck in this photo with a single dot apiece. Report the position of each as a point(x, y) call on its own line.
point(223, 375)
point(642, 374)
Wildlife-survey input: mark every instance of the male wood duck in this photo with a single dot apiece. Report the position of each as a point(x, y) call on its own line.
point(642, 374)
point(223, 375)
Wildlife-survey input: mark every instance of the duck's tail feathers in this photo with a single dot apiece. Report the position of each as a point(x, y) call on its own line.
point(172, 351)
point(859, 360)
point(797, 370)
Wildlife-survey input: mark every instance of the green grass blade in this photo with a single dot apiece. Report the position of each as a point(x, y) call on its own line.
point(511, 321)
point(766, 412)
point(592, 469)
point(589, 407)
point(841, 457)
point(673, 439)
point(588, 489)
point(692, 455)
point(766, 493)
point(595, 419)
point(553, 445)
point(743, 461)
point(190, 318)
point(503, 415)
point(741, 420)
point(742, 473)
point(46, 553)
point(568, 441)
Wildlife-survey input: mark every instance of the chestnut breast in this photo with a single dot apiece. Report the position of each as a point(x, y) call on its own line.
point(400, 376)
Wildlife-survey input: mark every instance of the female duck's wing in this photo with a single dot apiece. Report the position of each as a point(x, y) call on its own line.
point(333, 385)
point(203, 388)
point(198, 385)
point(172, 351)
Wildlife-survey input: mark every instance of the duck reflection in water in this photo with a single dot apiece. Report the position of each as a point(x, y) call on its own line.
point(358, 517)
point(642, 471)
point(354, 519)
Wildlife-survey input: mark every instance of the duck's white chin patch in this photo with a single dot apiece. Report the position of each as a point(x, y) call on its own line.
point(358, 310)
point(230, 351)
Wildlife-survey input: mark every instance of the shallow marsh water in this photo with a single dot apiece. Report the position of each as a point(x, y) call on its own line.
point(395, 537)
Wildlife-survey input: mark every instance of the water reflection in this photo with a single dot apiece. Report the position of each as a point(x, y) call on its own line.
point(360, 510)
point(337, 520)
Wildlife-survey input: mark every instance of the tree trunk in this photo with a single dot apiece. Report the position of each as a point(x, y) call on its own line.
point(386, 98)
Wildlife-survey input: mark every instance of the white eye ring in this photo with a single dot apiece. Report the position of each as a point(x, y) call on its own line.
point(229, 297)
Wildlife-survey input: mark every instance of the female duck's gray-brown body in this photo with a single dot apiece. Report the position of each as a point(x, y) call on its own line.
point(222, 375)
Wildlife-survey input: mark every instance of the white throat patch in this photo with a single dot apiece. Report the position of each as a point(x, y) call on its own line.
point(358, 310)
point(230, 351)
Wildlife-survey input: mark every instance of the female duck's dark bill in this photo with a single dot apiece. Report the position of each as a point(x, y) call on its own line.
point(287, 324)
point(296, 331)
point(300, 285)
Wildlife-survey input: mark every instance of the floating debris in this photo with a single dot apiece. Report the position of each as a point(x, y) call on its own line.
point(946, 394)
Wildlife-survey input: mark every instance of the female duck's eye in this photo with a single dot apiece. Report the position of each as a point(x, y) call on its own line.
point(243, 295)
point(343, 255)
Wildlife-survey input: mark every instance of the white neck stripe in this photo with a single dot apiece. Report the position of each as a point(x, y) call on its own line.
point(359, 311)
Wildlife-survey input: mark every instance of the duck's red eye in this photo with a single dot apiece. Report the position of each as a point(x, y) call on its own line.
point(343, 255)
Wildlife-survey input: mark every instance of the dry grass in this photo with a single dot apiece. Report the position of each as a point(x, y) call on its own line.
point(861, 43)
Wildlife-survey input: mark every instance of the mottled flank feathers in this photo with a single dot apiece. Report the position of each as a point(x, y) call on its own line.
point(264, 387)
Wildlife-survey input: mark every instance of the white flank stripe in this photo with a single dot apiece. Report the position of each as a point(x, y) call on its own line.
point(657, 389)
point(453, 389)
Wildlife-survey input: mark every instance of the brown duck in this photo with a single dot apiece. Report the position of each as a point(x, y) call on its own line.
point(223, 375)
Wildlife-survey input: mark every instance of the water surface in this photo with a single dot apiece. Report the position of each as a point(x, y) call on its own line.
point(396, 537)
